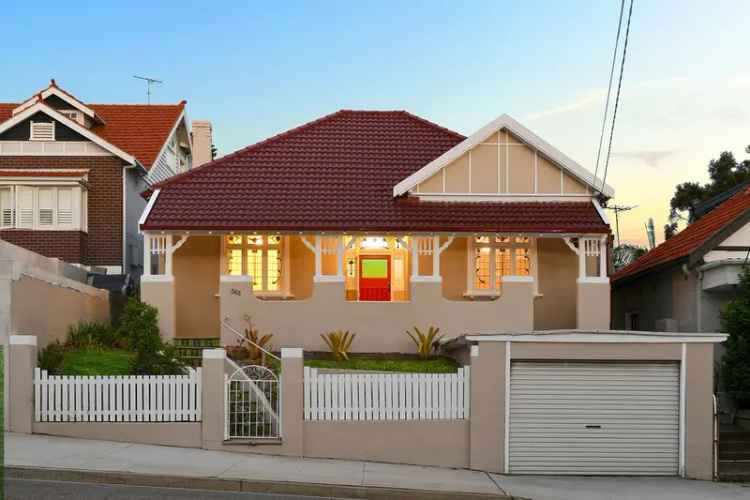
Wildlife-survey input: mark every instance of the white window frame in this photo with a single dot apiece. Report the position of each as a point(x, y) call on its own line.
point(244, 246)
point(9, 206)
point(79, 202)
point(32, 136)
point(512, 245)
point(72, 114)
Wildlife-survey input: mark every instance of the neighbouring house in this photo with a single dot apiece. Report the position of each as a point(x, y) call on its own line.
point(682, 284)
point(71, 174)
point(374, 222)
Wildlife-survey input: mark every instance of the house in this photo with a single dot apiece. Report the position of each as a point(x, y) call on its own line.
point(682, 284)
point(374, 222)
point(71, 174)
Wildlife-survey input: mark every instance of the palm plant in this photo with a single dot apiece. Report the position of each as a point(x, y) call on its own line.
point(339, 343)
point(255, 342)
point(425, 342)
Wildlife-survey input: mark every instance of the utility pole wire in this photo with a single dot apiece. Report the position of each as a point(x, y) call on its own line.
point(617, 98)
point(609, 90)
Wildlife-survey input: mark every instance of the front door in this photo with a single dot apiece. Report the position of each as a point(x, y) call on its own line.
point(375, 277)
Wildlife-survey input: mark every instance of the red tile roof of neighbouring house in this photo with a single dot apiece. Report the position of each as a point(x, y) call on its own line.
point(138, 129)
point(337, 174)
point(689, 239)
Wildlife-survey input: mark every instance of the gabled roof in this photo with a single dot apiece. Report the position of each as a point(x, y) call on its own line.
point(337, 174)
point(53, 89)
point(481, 135)
point(695, 240)
point(135, 132)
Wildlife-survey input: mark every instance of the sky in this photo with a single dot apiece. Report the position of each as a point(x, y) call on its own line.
point(256, 69)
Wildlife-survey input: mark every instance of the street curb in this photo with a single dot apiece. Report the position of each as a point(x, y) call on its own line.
point(216, 484)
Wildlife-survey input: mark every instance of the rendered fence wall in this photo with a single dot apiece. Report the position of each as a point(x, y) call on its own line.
point(381, 396)
point(164, 398)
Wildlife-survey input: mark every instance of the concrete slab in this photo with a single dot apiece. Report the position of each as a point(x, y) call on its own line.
point(620, 488)
point(394, 476)
point(265, 468)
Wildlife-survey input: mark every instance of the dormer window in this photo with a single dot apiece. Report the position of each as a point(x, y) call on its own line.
point(72, 114)
point(42, 131)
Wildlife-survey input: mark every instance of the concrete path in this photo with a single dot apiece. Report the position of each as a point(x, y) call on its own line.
point(620, 488)
point(50, 452)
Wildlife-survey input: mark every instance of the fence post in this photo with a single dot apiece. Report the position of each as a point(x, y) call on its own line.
point(292, 400)
point(212, 398)
point(21, 361)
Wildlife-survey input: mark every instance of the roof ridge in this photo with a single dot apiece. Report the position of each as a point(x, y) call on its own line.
point(181, 103)
point(425, 121)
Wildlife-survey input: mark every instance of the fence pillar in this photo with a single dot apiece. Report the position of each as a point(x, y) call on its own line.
point(212, 398)
point(292, 400)
point(487, 427)
point(21, 363)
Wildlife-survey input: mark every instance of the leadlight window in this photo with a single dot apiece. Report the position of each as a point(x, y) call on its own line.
point(492, 257)
point(259, 256)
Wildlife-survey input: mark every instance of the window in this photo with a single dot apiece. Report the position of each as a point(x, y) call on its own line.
point(72, 114)
point(492, 257)
point(43, 207)
point(261, 257)
point(42, 131)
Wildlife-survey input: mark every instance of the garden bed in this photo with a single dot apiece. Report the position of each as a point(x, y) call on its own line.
point(97, 362)
point(386, 364)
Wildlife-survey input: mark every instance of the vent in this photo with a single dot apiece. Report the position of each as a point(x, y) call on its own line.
point(73, 115)
point(42, 131)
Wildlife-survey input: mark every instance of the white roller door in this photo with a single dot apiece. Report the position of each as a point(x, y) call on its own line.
point(594, 418)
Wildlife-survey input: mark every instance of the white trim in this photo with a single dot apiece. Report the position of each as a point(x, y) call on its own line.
point(51, 90)
point(426, 279)
point(474, 351)
point(327, 278)
point(51, 148)
point(512, 278)
point(593, 280)
point(233, 278)
point(291, 352)
point(526, 135)
point(478, 197)
point(214, 354)
point(506, 443)
point(683, 394)
point(599, 209)
point(601, 337)
point(307, 243)
point(176, 246)
point(571, 245)
point(41, 107)
point(157, 278)
point(23, 340)
point(166, 142)
point(149, 206)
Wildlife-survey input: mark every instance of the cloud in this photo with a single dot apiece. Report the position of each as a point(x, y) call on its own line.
point(652, 158)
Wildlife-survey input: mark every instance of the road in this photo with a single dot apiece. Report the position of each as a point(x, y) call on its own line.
point(23, 489)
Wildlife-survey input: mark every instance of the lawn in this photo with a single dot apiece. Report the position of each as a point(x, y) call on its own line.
point(94, 362)
point(432, 365)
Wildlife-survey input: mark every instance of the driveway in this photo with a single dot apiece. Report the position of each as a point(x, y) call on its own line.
point(620, 488)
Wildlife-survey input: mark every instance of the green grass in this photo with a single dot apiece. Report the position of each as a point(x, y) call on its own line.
point(94, 362)
point(433, 365)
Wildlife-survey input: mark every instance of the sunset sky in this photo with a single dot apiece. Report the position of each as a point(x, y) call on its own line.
point(255, 69)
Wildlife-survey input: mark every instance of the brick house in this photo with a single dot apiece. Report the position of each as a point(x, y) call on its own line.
point(71, 174)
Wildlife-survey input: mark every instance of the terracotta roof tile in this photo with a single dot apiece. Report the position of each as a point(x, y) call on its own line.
point(337, 174)
point(138, 129)
point(690, 238)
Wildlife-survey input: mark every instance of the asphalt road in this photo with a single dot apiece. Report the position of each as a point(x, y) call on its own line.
point(24, 489)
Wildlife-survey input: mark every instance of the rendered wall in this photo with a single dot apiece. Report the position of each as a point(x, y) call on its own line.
point(183, 434)
point(196, 277)
point(558, 271)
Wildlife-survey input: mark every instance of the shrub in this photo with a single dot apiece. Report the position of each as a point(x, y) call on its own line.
point(139, 327)
point(339, 343)
point(51, 358)
point(426, 343)
point(255, 340)
point(93, 335)
point(735, 320)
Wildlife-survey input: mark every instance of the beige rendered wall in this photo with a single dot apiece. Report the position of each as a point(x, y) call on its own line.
point(699, 411)
point(183, 434)
point(443, 443)
point(487, 433)
point(47, 310)
point(557, 274)
point(453, 269)
point(593, 305)
point(159, 292)
point(196, 277)
point(380, 326)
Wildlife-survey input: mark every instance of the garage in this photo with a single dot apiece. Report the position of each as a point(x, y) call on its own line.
point(589, 418)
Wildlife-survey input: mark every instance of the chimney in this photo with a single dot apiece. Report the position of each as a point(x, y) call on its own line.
point(202, 140)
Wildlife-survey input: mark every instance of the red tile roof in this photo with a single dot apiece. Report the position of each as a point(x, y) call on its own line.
point(138, 129)
point(337, 174)
point(691, 238)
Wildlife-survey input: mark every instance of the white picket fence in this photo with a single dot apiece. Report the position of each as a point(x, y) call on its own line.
point(386, 396)
point(133, 398)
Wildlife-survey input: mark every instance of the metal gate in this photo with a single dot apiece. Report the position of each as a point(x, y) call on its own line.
point(252, 396)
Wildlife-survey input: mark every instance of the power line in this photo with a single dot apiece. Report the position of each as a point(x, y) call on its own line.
point(609, 89)
point(617, 98)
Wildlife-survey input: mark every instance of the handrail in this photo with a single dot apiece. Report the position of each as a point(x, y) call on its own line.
point(245, 339)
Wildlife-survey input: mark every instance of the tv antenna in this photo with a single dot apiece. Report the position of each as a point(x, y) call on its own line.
point(617, 209)
point(149, 83)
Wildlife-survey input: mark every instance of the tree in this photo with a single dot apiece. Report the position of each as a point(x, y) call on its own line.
point(735, 320)
point(724, 172)
point(214, 151)
point(624, 254)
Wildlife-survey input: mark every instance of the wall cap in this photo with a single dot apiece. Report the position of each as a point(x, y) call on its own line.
point(23, 340)
point(600, 337)
point(518, 279)
point(593, 279)
point(214, 353)
point(156, 278)
point(232, 278)
point(426, 279)
point(291, 352)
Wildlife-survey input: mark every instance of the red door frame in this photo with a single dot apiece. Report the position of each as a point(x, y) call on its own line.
point(375, 289)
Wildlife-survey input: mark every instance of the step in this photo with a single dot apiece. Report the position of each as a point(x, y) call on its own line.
point(734, 436)
point(733, 446)
point(734, 455)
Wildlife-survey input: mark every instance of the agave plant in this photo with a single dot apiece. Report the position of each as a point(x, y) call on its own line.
point(425, 342)
point(339, 343)
point(255, 341)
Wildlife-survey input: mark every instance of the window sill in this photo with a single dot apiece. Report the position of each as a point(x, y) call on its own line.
point(482, 294)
